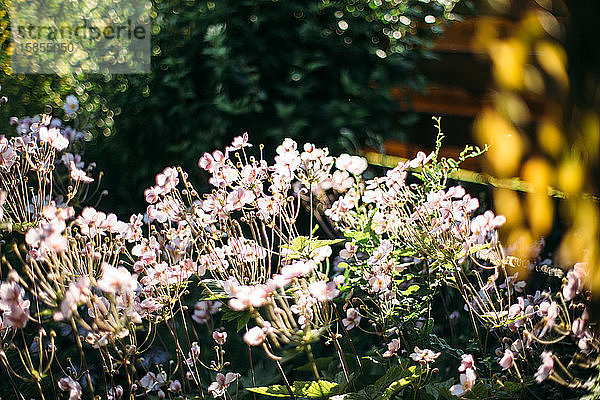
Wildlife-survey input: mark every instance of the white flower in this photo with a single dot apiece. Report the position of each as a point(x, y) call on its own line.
point(467, 381)
point(53, 137)
point(71, 105)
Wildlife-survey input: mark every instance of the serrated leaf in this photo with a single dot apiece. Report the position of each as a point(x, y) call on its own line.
point(243, 320)
point(308, 389)
point(212, 290)
point(242, 317)
point(512, 387)
point(315, 244)
point(394, 380)
point(297, 245)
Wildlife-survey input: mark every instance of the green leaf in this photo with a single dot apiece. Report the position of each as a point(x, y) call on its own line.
point(298, 244)
point(242, 317)
point(410, 290)
point(394, 380)
point(308, 389)
point(315, 244)
point(243, 320)
point(303, 245)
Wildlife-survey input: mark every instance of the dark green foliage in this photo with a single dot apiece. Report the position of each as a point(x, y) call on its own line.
point(274, 69)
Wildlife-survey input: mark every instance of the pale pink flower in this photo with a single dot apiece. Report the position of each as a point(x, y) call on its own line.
point(483, 224)
point(574, 283)
point(349, 251)
point(53, 137)
point(297, 269)
point(381, 252)
point(353, 164)
point(238, 198)
point(424, 355)
point(352, 319)
point(456, 192)
point(13, 304)
point(239, 142)
point(51, 212)
point(115, 392)
point(134, 231)
point(579, 327)
point(204, 310)
point(47, 236)
point(219, 337)
point(249, 296)
point(207, 162)
point(466, 362)
point(168, 209)
point(8, 155)
point(78, 292)
point(420, 159)
point(222, 382)
point(90, 222)
point(194, 354)
point(287, 159)
point(152, 193)
point(340, 181)
point(68, 384)
point(277, 281)
point(550, 312)
point(255, 336)
point(113, 225)
point(323, 291)
point(467, 381)
point(230, 286)
point(115, 280)
point(507, 360)
point(393, 348)
point(168, 179)
point(79, 175)
point(379, 283)
point(175, 386)
point(148, 381)
point(229, 175)
point(320, 254)
point(546, 367)
point(150, 305)
point(453, 317)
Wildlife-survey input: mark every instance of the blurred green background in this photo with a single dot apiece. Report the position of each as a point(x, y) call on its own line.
point(313, 70)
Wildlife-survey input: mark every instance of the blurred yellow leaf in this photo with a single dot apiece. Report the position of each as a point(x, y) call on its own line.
point(538, 172)
point(508, 57)
point(550, 138)
point(570, 175)
point(552, 59)
point(506, 202)
point(505, 142)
